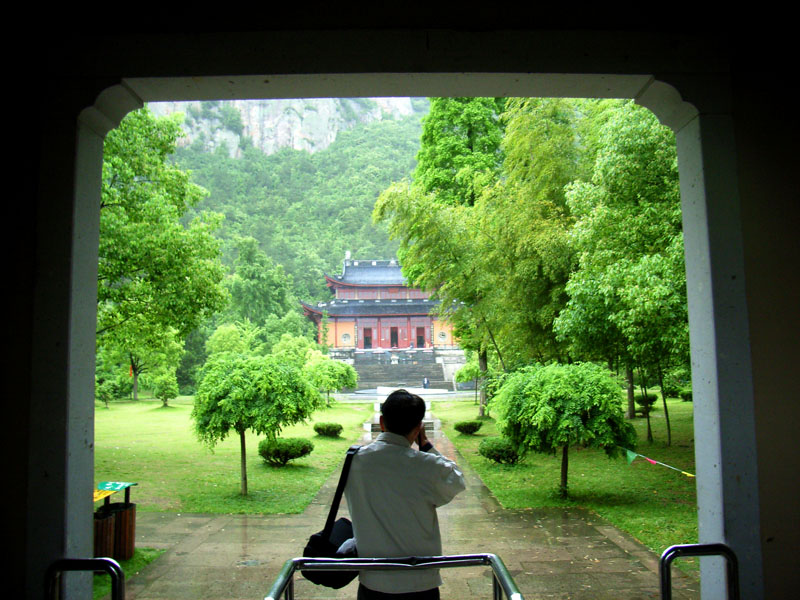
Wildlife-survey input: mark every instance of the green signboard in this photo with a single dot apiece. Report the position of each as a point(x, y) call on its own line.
point(114, 486)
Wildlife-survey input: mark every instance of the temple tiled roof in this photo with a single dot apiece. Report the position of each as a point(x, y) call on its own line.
point(367, 308)
point(370, 272)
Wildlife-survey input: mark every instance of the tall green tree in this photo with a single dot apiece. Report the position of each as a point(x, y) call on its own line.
point(496, 252)
point(459, 157)
point(158, 277)
point(628, 294)
point(460, 148)
point(525, 226)
point(245, 393)
point(141, 350)
point(258, 287)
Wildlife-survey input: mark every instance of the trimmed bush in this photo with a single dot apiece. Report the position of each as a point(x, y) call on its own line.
point(646, 401)
point(686, 394)
point(280, 451)
point(468, 427)
point(671, 392)
point(328, 429)
point(500, 450)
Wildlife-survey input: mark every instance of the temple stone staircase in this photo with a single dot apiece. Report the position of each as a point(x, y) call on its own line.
point(399, 369)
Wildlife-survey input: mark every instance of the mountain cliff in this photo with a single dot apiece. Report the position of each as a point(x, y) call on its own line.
point(310, 124)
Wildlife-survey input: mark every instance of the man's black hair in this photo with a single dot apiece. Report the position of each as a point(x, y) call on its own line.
point(402, 411)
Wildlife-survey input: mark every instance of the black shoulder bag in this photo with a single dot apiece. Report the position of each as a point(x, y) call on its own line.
point(325, 543)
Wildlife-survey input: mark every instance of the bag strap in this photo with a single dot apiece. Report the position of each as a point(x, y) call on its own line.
point(337, 497)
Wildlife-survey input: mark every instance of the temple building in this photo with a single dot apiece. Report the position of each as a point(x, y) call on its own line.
point(374, 310)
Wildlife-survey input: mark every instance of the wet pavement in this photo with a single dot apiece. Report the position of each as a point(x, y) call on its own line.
point(551, 553)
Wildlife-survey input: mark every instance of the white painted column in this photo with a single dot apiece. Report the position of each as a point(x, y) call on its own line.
point(724, 411)
point(61, 442)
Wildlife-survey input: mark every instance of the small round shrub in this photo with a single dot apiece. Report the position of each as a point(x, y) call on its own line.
point(500, 450)
point(328, 429)
point(670, 392)
point(467, 427)
point(280, 451)
point(686, 394)
point(646, 401)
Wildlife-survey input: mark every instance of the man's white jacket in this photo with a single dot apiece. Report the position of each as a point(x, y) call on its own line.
point(392, 493)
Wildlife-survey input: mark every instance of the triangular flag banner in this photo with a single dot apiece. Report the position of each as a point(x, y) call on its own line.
point(631, 456)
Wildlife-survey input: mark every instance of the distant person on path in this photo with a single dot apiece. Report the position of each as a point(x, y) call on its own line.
point(392, 492)
point(426, 383)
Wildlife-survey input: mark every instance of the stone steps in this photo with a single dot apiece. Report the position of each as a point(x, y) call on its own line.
point(400, 375)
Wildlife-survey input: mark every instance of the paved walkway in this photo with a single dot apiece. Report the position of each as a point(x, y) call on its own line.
point(553, 554)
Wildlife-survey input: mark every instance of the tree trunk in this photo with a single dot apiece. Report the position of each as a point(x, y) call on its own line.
point(135, 384)
point(564, 469)
point(664, 400)
point(631, 393)
point(646, 406)
point(483, 363)
point(496, 349)
point(244, 462)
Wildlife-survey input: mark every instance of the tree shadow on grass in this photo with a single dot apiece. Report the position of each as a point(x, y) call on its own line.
point(598, 498)
point(290, 467)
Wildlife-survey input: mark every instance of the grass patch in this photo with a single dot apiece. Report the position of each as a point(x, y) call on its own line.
point(157, 448)
point(140, 559)
point(656, 505)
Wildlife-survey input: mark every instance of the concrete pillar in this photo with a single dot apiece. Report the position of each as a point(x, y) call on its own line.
point(61, 411)
point(724, 410)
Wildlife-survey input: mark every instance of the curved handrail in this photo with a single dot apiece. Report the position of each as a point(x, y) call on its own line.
point(109, 565)
point(501, 573)
point(716, 549)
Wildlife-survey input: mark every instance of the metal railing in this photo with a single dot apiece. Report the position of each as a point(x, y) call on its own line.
point(673, 552)
point(109, 565)
point(502, 582)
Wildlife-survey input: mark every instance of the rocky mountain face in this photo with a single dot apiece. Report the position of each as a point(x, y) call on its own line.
point(302, 124)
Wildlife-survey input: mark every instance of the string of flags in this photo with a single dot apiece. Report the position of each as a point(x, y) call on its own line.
point(631, 455)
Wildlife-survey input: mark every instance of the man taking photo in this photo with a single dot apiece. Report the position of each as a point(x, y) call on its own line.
point(392, 493)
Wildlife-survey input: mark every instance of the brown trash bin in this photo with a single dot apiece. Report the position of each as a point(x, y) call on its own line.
point(104, 533)
point(124, 529)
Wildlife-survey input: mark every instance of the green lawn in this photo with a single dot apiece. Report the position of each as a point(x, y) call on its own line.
point(156, 447)
point(140, 559)
point(656, 505)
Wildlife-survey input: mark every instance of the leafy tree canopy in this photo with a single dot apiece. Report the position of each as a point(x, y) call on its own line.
point(153, 269)
point(158, 277)
point(258, 287)
point(550, 408)
point(329, 375)
point(240, 338)
point(240, 393)
point(460, 148)
point(295, 350)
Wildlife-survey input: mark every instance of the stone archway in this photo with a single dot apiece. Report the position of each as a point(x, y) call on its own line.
point(61, 365)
